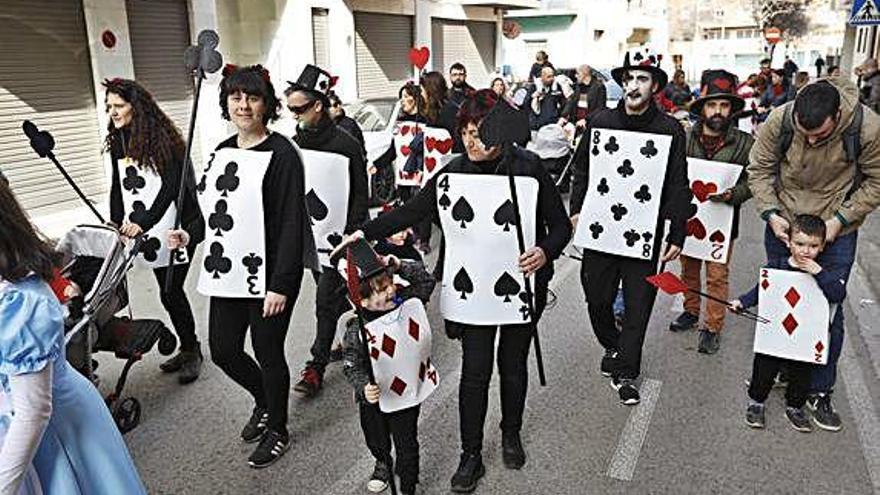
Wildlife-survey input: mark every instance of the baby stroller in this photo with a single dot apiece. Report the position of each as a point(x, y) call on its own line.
point(552, 143)
point(97, 261)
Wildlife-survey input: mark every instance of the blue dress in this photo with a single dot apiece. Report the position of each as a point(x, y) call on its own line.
point(81, 452)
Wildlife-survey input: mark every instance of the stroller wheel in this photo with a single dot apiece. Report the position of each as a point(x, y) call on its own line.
point(127, 414)
point(167, 343)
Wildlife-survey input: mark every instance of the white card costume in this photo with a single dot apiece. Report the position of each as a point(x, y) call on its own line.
point(799, 317)
point(622, 204)
point(437, 152)
point(230, 193)
point(482, 282)
point(140, 187)
point(708, 232)
point(327, 187)
point(399, 344)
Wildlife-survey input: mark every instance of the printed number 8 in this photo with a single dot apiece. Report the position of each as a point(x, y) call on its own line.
point(646, 250)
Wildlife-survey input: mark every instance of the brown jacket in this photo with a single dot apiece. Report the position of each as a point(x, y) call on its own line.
point(816, 179)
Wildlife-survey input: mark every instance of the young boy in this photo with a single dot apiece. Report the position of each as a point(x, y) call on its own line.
point(807, 240)
point(376, 294)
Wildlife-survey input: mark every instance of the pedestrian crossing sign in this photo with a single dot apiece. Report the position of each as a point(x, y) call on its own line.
point(864, 13)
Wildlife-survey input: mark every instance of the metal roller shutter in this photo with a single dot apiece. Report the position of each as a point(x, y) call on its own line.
point(382, 43)
point(320, 38)
point(45, 76)
point(470, 42)
point(159, 31)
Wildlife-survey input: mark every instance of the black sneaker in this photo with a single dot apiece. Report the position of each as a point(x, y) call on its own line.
point(470, 470)
point(823, 412)
point(710, 342)
point(379, 479)
point(271, 448)
point(192, 367)
point(311, 382)
point(755, 415)
point(512, 451)
point(173, 364)
point(798, 419)
point(256, 426)
point(607, 364)
point(626, 390)
point(685, 321)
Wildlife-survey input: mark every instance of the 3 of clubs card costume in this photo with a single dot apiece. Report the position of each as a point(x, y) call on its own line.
point(630, 175)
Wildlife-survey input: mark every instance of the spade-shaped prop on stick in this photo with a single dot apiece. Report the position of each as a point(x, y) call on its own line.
point(669, 283)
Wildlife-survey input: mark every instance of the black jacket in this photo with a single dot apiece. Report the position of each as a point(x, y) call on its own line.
point(191, 216)
point(351, 126)
point(553, 226)
point(595, 94)
point(290, 246)
point(329, 138)
point(676, 197)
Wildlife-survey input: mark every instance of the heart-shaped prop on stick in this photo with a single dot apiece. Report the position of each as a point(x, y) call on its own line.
point(669, 283)
point(419, 56)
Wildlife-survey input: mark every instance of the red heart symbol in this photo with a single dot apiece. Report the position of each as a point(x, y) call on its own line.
point(444, 146)
point(419, 56)
point(404, 130)
point(717, 236)
point(702, 190)
point(430, 163)
point(430, 143)
point(404, 150)
point(696, 228)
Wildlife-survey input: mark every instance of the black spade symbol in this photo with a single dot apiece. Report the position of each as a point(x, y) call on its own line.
point(463, 283)
point(317, 208)
point(462, 212)
point(505, 215)
point(506, 286)
point(334, 239)
point(444, 202)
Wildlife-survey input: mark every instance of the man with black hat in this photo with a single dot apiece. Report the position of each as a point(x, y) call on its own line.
point(601, 272)
point(714, 138)
point(308, 102)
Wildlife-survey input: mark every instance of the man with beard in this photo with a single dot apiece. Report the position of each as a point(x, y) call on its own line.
point(589, 96)
point(307, 100)
point(459, 90)
point(714, 138)
point(601, 273)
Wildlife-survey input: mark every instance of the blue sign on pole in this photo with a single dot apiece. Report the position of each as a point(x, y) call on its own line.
point(864, 13)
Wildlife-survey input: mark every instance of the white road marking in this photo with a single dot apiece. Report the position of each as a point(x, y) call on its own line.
point(864, 414)
point(623, 464)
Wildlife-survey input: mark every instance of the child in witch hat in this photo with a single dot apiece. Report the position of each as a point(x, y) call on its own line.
point(374, 293)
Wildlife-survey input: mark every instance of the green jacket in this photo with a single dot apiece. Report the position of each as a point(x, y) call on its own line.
point(737, 145)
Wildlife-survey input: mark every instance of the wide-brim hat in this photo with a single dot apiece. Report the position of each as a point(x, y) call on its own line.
point(316, 81)
point(641, 59)
point(718, 85)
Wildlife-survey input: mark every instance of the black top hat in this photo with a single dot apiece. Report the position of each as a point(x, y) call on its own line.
point(641, 59)
point(316, 81)
point(718, 84)
point(362, 263)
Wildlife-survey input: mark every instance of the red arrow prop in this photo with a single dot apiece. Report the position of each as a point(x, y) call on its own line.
point(669, 283)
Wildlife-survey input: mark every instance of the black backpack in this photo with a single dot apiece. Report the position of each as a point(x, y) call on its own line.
point(852, 144)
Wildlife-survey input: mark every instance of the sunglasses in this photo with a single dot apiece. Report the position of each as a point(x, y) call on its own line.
point(301, 109)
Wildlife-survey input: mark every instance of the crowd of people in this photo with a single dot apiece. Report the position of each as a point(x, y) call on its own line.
point(812, 193)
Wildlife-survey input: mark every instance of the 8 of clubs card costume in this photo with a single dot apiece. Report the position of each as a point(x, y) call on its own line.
point(336, 196)
point(630, 175)
point(399, 347)
point(482, 284)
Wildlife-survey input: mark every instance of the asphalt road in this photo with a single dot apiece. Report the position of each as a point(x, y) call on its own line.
point(687, 436)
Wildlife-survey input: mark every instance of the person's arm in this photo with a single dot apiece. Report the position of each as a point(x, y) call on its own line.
point(569, 109)
point(833, 283)
point(580, 166)
point(762, 169)
point(750, 298)
point(421, 282)
point(559, 227)
point(676, 190)
point(32, 402)
point(386, 158)
point(422, 206)
point(358, 192)
point(354, 361)
point(287, 192)
point(740, 192)
point(117, 210)
point(866, 198)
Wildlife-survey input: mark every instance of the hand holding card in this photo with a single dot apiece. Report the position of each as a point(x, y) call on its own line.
point(532, 260)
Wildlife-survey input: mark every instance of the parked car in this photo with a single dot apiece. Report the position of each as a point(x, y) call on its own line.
point(376, 116)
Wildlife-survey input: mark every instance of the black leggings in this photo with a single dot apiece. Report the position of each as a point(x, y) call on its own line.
point(269, 381)
point(402, 427)
point(177, 304)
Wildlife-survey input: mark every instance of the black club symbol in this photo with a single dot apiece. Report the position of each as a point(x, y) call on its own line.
point(647, 236)
point(619, 211)
point(603, 187)
point(632, 237)
point(626, 169)
point(252, 262)
point(150, 248)
point(611, 146)
point(596, 229)
point(643, 194)
point(648, 150)
point(132, 181)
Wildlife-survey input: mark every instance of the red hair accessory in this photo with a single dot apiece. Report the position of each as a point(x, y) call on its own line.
point(228, 69)
point(264, 73)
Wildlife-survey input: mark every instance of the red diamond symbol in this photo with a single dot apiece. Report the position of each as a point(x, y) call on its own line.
point(374, 353)
point(398, 386)
point(765, 284)
point(414, 329)
point(789, 324)
point(388, 345)
point(819, 347)
point(792, 296)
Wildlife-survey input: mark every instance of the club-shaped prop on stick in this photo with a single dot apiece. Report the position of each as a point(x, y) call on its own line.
point(669, 283)
point(504, 126)
point(202, 59)
point(43, 143)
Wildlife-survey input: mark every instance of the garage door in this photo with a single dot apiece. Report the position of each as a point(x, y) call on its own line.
point(382, 44)
point(45, 76)
point(159, 31)
point(472, 43)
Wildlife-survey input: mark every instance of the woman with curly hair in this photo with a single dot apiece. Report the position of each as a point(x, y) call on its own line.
point(147, 153)
point(258, 249)
point(56, 435)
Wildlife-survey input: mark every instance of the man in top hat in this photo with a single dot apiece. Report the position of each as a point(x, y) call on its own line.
point(714, 137)
point(307, 100)
point(641, 78)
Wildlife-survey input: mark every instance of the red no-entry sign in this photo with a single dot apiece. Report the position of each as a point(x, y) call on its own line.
point(772, 35)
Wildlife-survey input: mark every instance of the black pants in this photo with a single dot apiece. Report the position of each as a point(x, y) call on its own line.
point(601, 275)
point(330, 304)
point(402, 427)
point(177, 305)
point(764, 370)
point(269, 381)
